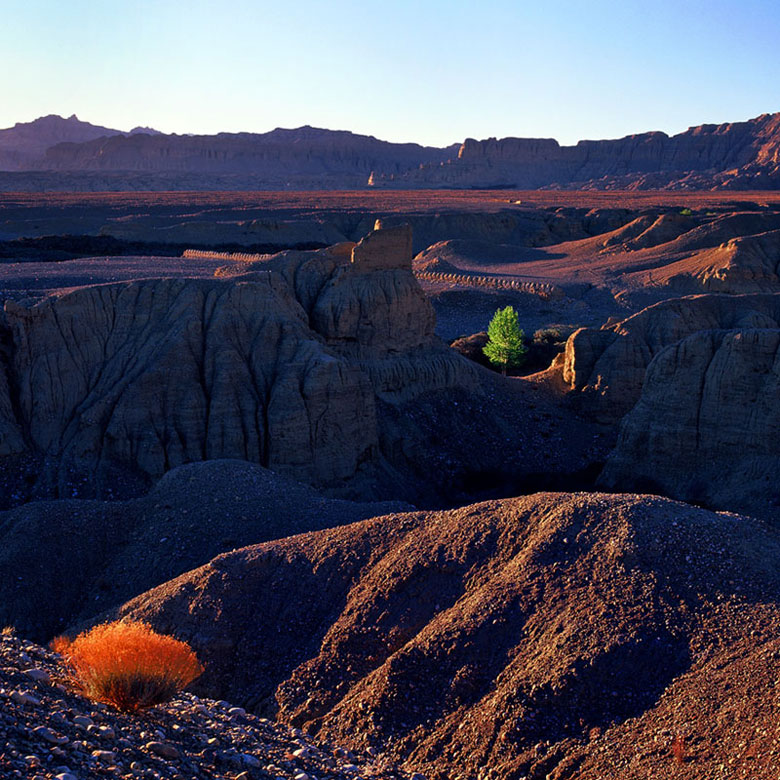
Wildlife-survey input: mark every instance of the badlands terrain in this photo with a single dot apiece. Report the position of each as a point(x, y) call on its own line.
point(262, 423)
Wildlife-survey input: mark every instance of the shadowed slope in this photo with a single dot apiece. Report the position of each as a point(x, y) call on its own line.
point(90, 555)
point(500, 636)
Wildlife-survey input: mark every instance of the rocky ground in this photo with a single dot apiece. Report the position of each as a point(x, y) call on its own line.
point(48, 730)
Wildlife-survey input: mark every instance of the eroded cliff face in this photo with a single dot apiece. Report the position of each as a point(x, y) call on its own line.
point(332, 157)
point(608, 365)
point(736, 155)
point(706, 427)
point(281, 366)
point(694, 384)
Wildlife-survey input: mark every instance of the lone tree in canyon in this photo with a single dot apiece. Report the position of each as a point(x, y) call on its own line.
point(505, 345)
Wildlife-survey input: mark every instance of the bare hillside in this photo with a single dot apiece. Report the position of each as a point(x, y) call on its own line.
point(555, 635)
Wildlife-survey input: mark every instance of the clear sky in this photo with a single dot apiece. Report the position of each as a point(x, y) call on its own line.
point(432, 71)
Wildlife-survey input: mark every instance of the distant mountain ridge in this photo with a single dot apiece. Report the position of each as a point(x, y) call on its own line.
point(307, 156)
point(740, 155)
point(22, 145)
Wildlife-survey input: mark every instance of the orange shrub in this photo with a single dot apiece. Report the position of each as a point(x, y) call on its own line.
point(129, 665)
point(60, 644)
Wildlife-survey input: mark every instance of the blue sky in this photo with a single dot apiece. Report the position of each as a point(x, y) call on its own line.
point(429, 71)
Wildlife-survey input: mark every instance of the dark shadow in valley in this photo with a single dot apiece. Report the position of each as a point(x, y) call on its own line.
point(59, 248)
point(488, 485)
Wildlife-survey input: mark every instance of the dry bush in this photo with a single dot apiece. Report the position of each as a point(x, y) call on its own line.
point(129, 665)
point(60, 644)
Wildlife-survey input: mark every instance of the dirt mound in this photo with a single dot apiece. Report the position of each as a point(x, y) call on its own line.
point(738, 265)
point(661, 230)
point(556, 635)
point(90, 555)
point(628, 232)
point(724, 227)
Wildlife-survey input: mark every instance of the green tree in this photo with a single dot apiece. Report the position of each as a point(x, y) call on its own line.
point(505, 345)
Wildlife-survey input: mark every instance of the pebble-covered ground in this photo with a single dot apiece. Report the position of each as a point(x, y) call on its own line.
point(48, 730)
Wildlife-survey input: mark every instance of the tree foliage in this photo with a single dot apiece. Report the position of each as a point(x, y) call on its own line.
point(505, 345)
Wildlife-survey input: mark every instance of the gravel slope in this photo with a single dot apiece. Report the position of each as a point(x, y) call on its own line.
point(48, 730)
point(88, 556)
point(561, 635)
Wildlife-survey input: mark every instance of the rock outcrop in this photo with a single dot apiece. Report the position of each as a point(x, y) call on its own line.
point(608, 365)
point(693, 383)
point(554, 635)
point(706, 427)
point(282, 366)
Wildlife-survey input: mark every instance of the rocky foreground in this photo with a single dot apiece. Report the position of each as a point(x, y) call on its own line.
point(48, 730)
